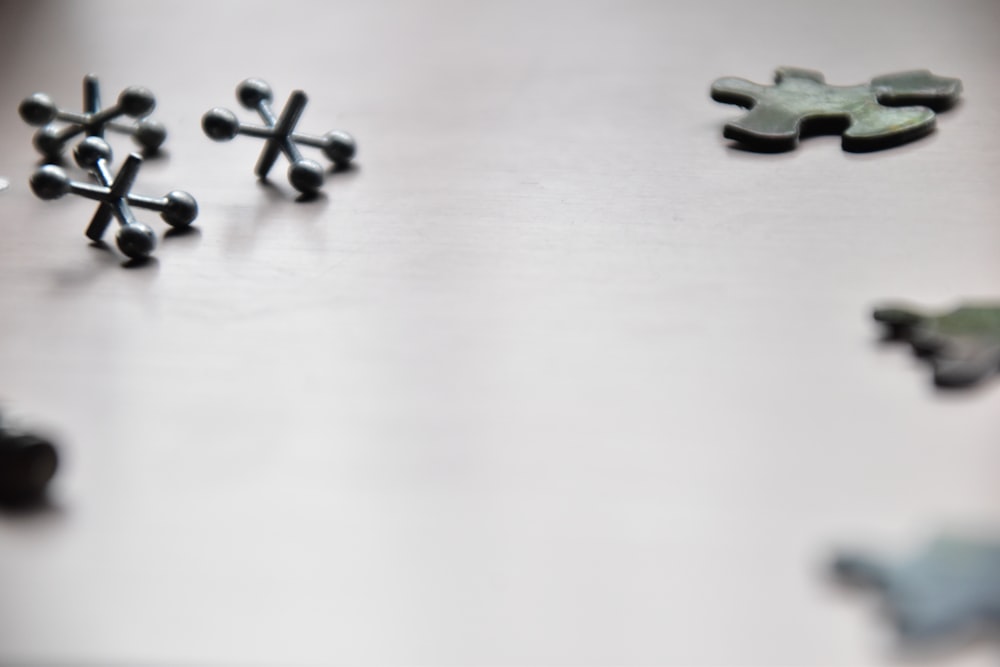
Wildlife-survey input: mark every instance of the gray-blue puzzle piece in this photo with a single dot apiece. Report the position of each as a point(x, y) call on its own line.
point(951, 587)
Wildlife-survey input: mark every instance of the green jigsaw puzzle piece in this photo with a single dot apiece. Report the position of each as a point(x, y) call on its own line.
point(963, 345)
point(890, 110)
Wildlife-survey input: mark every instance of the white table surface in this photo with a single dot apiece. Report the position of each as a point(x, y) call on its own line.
point(554, 377)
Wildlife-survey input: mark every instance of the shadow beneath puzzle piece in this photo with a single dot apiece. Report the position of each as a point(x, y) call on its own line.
point(823, 127)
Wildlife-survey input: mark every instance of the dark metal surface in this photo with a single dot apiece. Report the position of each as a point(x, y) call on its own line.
point(801, 101)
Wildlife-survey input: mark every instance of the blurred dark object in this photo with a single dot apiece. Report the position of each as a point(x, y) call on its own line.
point(962, 345)
point(27, 463)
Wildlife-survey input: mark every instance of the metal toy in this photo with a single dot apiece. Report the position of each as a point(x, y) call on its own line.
point(136, 240)
point(305, 175)
point(134, 101)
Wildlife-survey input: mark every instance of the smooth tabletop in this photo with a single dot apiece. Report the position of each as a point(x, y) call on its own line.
point(554, 376)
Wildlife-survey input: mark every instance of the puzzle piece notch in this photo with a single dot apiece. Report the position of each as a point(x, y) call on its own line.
point(136, 240)
point(135, 102)
point(951, 587)
point(963, 345)
point(868, 115)
point(305, 175)
point(27, 464)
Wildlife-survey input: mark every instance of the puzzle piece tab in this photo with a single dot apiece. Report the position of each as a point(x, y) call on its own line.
point(873, 115)
point(134, 101)
point(963, 345)
point(952, 587)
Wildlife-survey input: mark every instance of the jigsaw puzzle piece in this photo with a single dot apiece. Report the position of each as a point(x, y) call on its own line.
point(873, 126)
point(917, 87)
point(963, 346)
point(952, 586)
point(960, 364)
point(904, 107)
point(734, 90)
point(777, 114)
point(869, 116)
point(785, 74)
point(767, 126)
